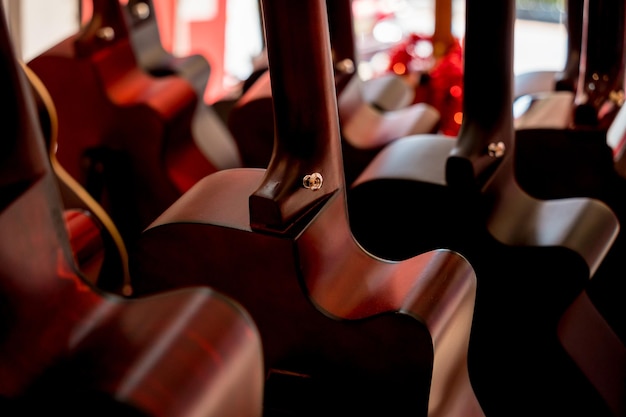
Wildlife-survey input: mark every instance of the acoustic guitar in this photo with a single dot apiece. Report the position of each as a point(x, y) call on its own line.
point(584, 158)
point(209, 129)
point(532, 257)
point(344, 332)
point(124, 135)
point(69, 348)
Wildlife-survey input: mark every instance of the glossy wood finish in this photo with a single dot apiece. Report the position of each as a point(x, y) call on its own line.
point(152, 56)
point(532, 257)
point(124, 135)
point(67, 348)
point(210, 132)
point(343, 332)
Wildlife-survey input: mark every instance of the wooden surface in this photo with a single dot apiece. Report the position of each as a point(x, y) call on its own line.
point(126, 136)
point(69, 348)
point(343, 332)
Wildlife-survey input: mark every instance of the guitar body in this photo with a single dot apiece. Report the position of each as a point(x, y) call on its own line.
point(580, 163)
point(518, 305)
point(532, 257)
point(76, 350)
point(210, 133)
point(69, 348)
point(344, 332)
point(585, 159)
point(338, 326)
point(153, 57)
point(567, 78)
point(123, 135)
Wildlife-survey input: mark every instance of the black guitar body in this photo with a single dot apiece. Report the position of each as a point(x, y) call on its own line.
point(522, 289)
point(585, 158)
point(532, 257)
point(579, 163)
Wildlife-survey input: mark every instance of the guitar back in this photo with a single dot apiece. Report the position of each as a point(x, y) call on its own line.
point(209, 130)
point(343, 332)
point(124, 135)
point(151, 54)
point(67, 347)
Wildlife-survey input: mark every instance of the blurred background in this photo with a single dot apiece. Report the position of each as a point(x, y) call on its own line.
point(191, 26)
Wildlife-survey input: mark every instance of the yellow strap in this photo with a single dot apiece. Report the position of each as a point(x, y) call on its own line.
point(72, 184)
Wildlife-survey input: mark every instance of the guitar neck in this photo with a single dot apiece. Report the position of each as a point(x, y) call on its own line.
point(487, 128)
point(442, 38)
point(284, 196)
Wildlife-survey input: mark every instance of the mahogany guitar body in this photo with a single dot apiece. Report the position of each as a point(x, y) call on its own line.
point(334, 332)
point(153, 57)
point(123, 135)
point(69, 348)
point(98, 246)
point(209, 130)
point(344, 332)
point(76, 350)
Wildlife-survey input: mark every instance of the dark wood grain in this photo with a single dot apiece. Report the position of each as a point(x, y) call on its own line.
point(68, 348)
point(124, 135)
